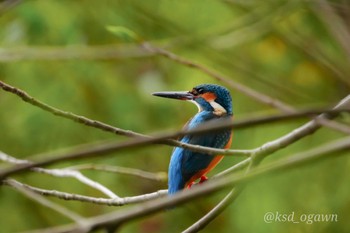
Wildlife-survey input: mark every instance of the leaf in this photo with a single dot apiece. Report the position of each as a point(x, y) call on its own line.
point(124, 33)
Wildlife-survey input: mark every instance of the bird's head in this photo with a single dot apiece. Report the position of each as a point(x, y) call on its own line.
point(208, 97)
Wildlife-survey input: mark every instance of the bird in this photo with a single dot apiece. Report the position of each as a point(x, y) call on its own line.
point(214, 103)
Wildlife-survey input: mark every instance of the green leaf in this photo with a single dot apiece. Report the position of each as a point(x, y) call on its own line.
point(123, 33)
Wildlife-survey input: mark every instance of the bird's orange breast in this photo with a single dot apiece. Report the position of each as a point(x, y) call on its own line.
point(211, 165)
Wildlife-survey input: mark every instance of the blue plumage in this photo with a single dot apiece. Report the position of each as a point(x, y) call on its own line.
point(214, 104)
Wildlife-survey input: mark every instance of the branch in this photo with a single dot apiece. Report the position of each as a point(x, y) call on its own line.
point(114, 200)
point(103, 52)
point(78, 176)
point(117, 218)
point(238, 86)
point(82, 198)
point(97, 124)
point(61, 173)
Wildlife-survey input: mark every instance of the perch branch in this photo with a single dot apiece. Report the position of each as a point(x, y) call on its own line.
point(82, 198)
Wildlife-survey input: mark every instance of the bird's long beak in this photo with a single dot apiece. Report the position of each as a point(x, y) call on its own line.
point(180, 95)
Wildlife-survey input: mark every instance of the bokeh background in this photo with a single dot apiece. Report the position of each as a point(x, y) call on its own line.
point(61, 53)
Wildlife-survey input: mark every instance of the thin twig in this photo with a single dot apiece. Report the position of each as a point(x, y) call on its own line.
point(78, 176)
point(94, 200)
point(237, 86)
point(61, 173)
point(71, 53)
point(258, 96)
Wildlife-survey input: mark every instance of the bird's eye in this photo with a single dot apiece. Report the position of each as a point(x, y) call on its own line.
point(200, 91)
point(197, 91)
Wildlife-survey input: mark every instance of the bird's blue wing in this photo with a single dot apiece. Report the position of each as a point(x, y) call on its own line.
point(193, 162)
point(184, 163)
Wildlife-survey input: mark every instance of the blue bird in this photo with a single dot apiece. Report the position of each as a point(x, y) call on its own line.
point(214, 103)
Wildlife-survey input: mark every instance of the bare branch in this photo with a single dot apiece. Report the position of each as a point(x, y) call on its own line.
point(71, 52)
point(238, 86)
point(61, 173)
point(94, 200)
point(68, 115)
point(78, 176)
point(119, 217)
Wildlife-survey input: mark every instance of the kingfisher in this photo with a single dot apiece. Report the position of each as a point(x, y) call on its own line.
point(214, 103)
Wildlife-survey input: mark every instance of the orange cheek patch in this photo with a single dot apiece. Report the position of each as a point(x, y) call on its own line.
point(209, 96)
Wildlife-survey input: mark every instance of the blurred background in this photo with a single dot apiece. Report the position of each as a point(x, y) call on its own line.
point(61, 53)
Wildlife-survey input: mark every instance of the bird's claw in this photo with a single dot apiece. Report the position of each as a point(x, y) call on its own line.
point(203, 179)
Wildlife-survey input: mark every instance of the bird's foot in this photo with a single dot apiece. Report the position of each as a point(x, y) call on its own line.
point(190, 185)
point(203, 179)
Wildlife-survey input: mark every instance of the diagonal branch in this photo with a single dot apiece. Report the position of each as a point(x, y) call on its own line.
point(97, 124)
point(263, 98)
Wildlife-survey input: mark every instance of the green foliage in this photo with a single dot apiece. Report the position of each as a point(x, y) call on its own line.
point(278, 47)
point(124, 34)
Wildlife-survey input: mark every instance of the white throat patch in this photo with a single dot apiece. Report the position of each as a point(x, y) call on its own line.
point(218, 109)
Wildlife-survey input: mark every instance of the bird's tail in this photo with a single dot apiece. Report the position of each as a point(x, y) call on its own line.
point(175, 186)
